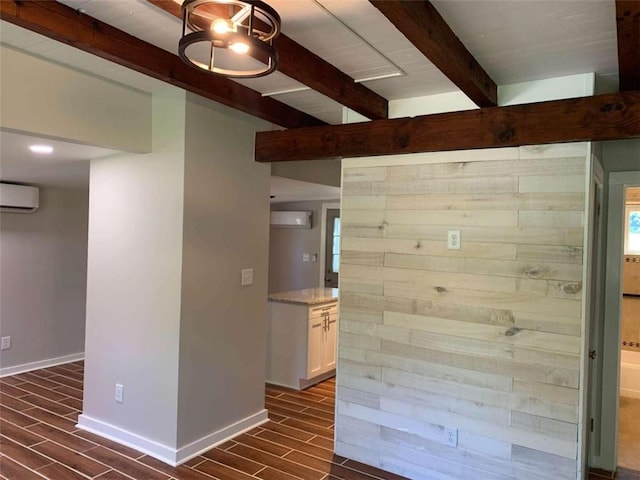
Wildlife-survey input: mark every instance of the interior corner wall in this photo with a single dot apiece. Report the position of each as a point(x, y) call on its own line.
point(485, 341)
point(134, 286)
point(226, 230)
point(43, 268)
point(287, 270)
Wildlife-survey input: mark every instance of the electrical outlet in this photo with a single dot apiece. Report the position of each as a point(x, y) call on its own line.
point(119, 396)
point(5, 343)
point(454, 240)
point(451, 436)
point(305, 257)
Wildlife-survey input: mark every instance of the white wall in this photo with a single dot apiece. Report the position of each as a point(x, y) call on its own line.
point(133, 284)
point(226, 229)
point(54, 101)
point(287, 270)
point(43, 278)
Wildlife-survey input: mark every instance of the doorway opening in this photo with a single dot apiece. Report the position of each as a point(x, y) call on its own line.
point(629, 402)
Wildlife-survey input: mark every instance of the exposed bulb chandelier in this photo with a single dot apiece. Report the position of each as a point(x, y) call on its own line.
point(231, 38)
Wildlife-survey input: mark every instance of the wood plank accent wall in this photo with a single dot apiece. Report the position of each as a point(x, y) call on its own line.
point(485, 339)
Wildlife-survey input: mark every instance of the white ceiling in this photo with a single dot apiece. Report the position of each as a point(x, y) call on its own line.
point(514, 40)
point(67, 166)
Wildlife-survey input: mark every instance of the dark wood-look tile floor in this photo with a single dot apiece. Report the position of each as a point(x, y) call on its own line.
point(39, 439)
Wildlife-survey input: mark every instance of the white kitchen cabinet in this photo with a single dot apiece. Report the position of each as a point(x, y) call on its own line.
point(301, 337)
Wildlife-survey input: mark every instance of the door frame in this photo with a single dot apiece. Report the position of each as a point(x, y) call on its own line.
point(607, 456)
point(323, 237)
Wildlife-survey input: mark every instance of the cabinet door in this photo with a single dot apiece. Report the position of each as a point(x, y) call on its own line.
point(330, 344)
point(315, 346)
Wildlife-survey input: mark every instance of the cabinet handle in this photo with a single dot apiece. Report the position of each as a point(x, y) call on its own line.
point(316, 325)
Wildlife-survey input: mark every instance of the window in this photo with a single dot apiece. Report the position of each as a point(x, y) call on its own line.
point(335, 251)
point(632, 229)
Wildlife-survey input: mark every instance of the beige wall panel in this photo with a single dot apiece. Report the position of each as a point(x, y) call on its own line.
point(358, 369)
point(360, 316)
point(426, 247)
point(547, 426)
point(560, 359)
point(552, 184)
point(349, 285)
point(529, 218)
point(521, 302)
point(510, 400)
point(504, 201)
point(449, 185)
point(505, 235)
point(361, 398)
point(553, 166)
point(424, 262)
point(429, 280)
point(549, 253)
point(522, 269)
point(554, 150)
point(545, 322)
point(432, 370)
point(504, 218)
point(358, 341)
point(447, 310)
point(483, 461)
point(485, 339)
point(524, 371)
point(352, 257)
point(355, 217)
point(365, 203)
point(367, 174)
point(523, 338)
point(427, 340)
point(553, 393)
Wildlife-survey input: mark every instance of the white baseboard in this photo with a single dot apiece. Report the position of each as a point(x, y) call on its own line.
point(164, 453)
point(50, 362)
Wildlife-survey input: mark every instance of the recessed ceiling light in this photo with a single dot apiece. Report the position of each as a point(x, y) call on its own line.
point(41, 148)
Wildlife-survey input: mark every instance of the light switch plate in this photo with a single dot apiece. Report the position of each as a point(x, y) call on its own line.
point(305, 257)
point(247, 277)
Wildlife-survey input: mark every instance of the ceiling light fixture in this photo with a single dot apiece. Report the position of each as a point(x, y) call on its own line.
point(231, 38)
point(41, 148)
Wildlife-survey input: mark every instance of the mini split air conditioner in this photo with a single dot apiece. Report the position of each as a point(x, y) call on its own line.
point(18, 198)
point(291, 219)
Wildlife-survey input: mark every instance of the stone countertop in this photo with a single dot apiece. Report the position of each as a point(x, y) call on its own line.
point(307, 296)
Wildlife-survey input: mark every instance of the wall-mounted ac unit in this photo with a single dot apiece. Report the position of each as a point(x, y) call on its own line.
point(18, 198)
point(291, 219)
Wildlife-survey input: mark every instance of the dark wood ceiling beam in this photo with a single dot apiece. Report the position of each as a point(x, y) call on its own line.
point(602, 117)
point(306, 67)
point(628, 27)
point(64, 24)
point(420, 22)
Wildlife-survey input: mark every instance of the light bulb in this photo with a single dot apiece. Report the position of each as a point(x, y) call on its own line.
point(220, 26)
point(239, 47)
point(41, 148)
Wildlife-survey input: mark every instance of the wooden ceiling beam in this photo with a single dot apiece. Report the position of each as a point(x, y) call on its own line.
point(602, 117)
point(306, 67)
point(628, 28)
point(64, 24)
point(420, 22)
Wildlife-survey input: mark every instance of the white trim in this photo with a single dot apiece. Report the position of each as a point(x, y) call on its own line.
point(323, 236)
point(50, 362)
point(164, 453)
